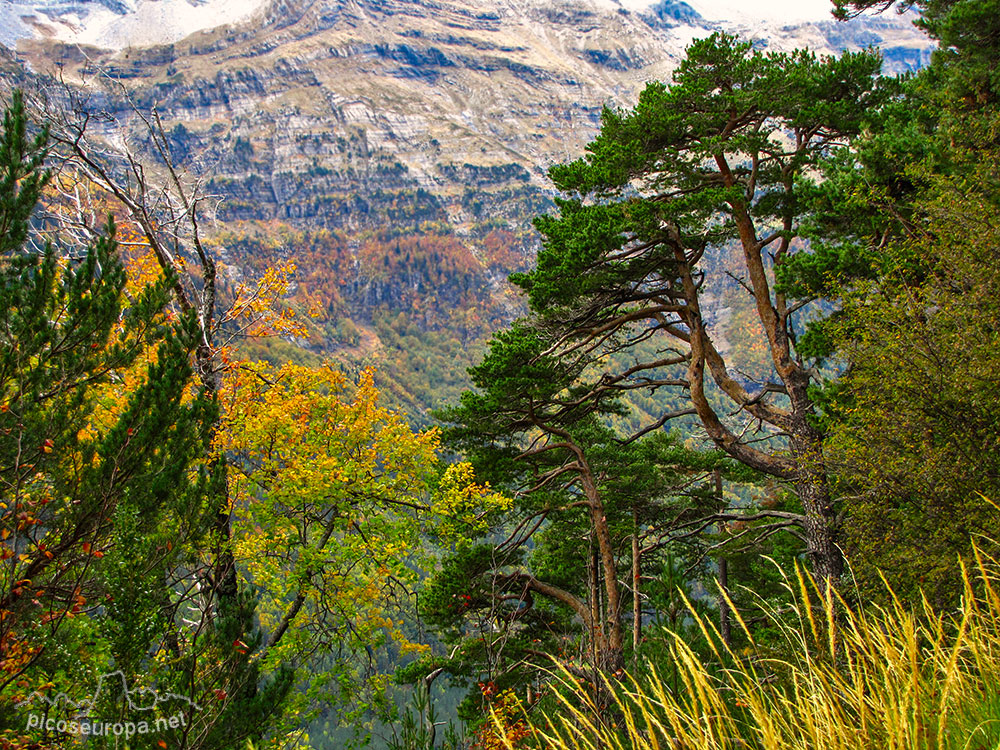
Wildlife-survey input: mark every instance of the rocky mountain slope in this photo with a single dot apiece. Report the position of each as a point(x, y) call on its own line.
point(297, 99)
point(399, 146)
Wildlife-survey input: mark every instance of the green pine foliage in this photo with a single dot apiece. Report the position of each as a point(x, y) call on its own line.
point(762, 331)
point(101, 492)
point(905, 242)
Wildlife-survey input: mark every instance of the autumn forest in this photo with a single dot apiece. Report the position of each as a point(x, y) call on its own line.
point(720, 470)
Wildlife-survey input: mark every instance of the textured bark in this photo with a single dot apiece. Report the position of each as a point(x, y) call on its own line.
point(594, 627)
point(724, 623)
point(612, 657)
point(636, 578)
point(820, 524)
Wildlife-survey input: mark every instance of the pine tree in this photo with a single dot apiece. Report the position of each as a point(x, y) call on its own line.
point(100, 433)
point(706, 169)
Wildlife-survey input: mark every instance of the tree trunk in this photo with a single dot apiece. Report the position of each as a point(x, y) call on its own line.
point(724, 624)
point(636, 598)
point(613, 657)
point(821, 527)
point(596, 647)
point(821, 531)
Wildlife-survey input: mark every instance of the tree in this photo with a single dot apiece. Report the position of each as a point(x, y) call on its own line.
point(84, 461)
point(914, 423)
point(519, 416)
point(940, 121)
point(328, 488)
point(965, 64)
point(589, 521)
point(311, 485)
point(164, 208)
point(716, 160)
point(904, 241)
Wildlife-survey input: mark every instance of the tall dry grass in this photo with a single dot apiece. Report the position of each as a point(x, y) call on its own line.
point(869, 678)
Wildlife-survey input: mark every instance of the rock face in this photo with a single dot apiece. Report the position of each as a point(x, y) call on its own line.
point(307, 102)
point(389, 117)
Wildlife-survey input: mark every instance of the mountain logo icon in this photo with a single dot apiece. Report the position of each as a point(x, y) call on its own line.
point(142, 699)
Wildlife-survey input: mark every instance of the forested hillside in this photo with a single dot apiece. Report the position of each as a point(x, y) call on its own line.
point(691, 442)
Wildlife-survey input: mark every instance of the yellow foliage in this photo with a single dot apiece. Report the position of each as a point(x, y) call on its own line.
point(507, 728)
point(255, 306)
point(325, 487)
point(462, 506)
point(867, 679)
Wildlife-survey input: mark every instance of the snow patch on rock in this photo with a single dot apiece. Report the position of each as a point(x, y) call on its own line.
point(119, 24)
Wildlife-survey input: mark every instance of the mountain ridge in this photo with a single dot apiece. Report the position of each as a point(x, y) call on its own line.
point(402, 145)
point(117, 24)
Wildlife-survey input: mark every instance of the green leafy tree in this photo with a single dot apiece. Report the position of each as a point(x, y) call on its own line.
point(549, 573)
point(913, 422)
point(904, 238)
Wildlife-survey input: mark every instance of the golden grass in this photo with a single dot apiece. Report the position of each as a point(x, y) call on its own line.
point(864, 679)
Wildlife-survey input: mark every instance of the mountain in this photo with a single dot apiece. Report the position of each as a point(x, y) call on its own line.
point(418, 93)
point(118, 24)
point(121, 24)
point(396, 149)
